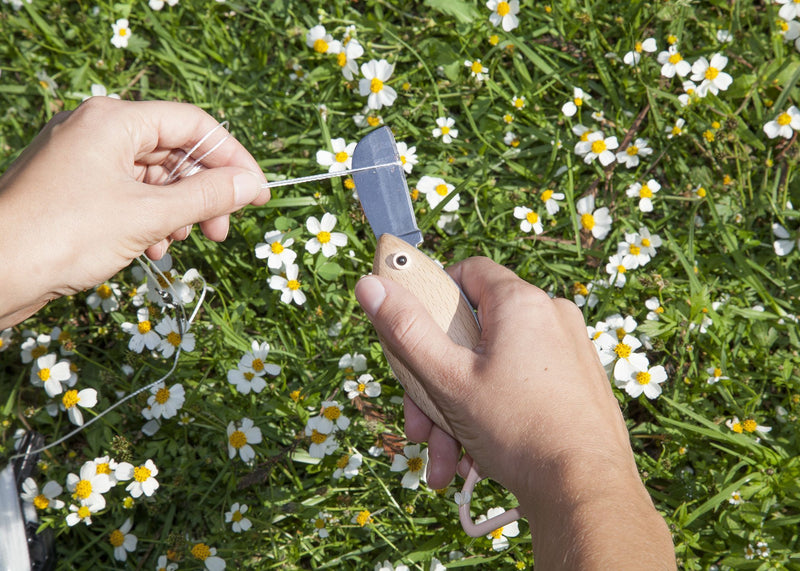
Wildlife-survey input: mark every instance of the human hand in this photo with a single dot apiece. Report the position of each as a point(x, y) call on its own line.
point(531, 399)
point(86, 197)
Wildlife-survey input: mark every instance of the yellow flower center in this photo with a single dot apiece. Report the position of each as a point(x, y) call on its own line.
point(319, 523)
point(711, 73)
point(144, 327)
point(116, 538)
point(104, 291)
point(415, 464)
point(675, 58)
point(123, 32)
point(519, 103)
point(341, 157)
point(38, 351)
point(342, 462)
point(632, 150)
point(350, 184)
point(749, 425)
point(237, 439)
point(103, 468)
point(201, 551)
point(83, 512)
point(585, 136)
point(634, 250)
point(324, 237)
point(293, 285)
point(373, 121)
point(361, 387)
point(508, 118)
point(638, 47)
point(643, 378)
point(532, 217)
point(141, 474)
point(621, 269)
point(375, 85)
point(598, 147)
point(83, 489)
point(331, 412)
point(494, 39)
point(476, 67)
point(546, 195)
point(341, 59)
point(318, 437)
point(363, 518)
point(587, 221)
point(622, 350)
point(645, 192)
point(41, 502)
point(646, 242)
point(276, 247)
point(257, 365)
point(621, 333)
point(174, 338)
point(676, 130)
point(578, 101)
point(441, 189)
point(320, 46)
point(783, 25)
point(445, 130)
point(659, 309)
point(701, 192)
point(671, 39)
point(497, 533)
point(784, 119)
point(70, 399)
point(43, 374)
point(737, 427)
point(503, 8)
point(237, 516)
point(579, 289)
point(162, 395)
point(717, 371)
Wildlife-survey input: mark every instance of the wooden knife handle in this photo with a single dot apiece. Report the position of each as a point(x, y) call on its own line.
point(404, 264)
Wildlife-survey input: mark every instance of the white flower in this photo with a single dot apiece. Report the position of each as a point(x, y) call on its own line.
point(255, 360)
point(46, 372)
point(632, 249)
point(47, 498)
point(162, 565)
point(122, 541)
point(655, 308)
point(89, 487)
point(165, 402)
point(354, 363)
point(598, 222)
point(106, 465)
point(648, 242)
point(408, 156)
point(530, 219)
point(81, 514)
point(570, 108)
point(511, 139)
point(784, 125)
point(713, 78)
point(321, 41)
point(715, 375)
point(105, 296)
point(144, 478)
point(289, 286)
point(476, 69)
point(518, 102)
point(736, 498)
point(324, 238)
point(500, 535)
point(237, 519)
point(550, 200)
point(159, 4)
point(597, 147)
point(630, 156)
point(504, 13)
point(245, 380)
point(340, 159)
point(86, 398)
point(122, 33)
point(690, 90)
point(672, 62)
point(174, 337)
point(637, 380)
point(347, 56)
point(142, 333)
point(366, 386)
point(632, 57)
point(206, 554)
point(645, 193)
point(319, 524)
point(677, 129)
point(373, 85)
point(348, 466)
point(617, 267)
point(790, 9)
point(241, 437)
point(332, 417)
point(387, 566)
point(584, 294)
point(444, 129)
point(34, 346)
point(322, 443)
point(276, 250)
point(748, 425)
point(786, 242)
point(413, 462)
point(5, 339)
point(436, 190)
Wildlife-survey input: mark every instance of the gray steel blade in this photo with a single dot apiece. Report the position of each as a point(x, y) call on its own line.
point(383, 192)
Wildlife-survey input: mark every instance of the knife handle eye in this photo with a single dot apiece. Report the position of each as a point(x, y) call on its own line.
point(400, 261)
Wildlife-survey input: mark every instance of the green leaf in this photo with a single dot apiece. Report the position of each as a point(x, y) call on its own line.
point(464, 12)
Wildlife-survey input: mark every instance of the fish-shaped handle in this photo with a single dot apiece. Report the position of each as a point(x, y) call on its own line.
point(400, 262)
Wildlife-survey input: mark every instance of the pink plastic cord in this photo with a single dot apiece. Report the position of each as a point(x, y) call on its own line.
point(485, 527)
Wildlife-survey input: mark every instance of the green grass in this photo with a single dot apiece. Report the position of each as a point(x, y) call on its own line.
point(235, 60)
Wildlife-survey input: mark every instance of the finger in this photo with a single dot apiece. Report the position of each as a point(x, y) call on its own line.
point(157, 251)
point(217, 228)
point(181, 234)
point(418, 426)
point(464, 465)
point(480, 278)
point(443, 452)
point(412, 335)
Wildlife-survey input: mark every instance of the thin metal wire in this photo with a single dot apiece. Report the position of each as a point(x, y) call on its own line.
point(323, 176)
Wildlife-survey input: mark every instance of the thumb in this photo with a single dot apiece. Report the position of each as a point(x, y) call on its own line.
point(208, 194)
point(411, 334)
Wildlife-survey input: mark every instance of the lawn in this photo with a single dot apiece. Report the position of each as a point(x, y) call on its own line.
point(639, 158)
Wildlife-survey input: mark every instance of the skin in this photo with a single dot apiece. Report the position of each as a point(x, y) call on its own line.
point(532, 406)
point(87, 196)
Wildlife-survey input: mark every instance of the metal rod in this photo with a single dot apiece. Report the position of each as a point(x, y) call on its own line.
point(315, 177)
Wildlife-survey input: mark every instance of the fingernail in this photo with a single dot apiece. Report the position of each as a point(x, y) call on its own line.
point(370, 294)
point(246, 187)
